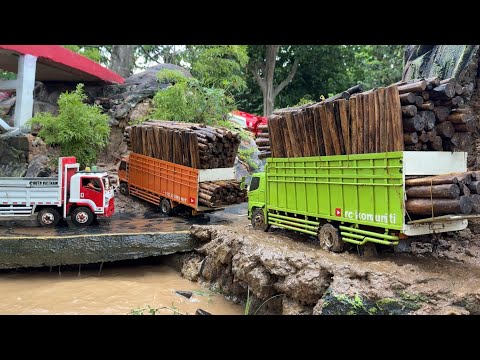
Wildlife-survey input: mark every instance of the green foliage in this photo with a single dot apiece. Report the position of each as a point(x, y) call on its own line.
point(7, 75)
point(189, 101)
point(246, 156)
point(305, 101)
point(221, 66)
point(323, 70)
point(81, 130)
point(91, 52)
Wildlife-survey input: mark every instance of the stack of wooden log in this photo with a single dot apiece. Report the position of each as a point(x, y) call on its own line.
point(365, 123)
point(426, 114)
point(456, 193)
point(194, 145)
point(263, 142)
point(435, 116)
point(219, 193)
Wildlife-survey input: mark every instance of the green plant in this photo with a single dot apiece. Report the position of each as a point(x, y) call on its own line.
point(81, 130)
point(246, 156)
point(307, 99)
point(188, 100)
point(248, 303)
point(153, 311)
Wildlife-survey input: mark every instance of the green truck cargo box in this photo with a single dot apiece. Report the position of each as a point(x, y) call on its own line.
point(363, 194)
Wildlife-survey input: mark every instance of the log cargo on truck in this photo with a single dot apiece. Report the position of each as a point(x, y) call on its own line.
point(172, 186)
point(80, 195)
point(379, 197)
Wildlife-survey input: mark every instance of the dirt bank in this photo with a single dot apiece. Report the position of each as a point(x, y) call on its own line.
point(297, 277)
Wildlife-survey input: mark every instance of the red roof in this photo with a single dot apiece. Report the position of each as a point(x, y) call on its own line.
point(56, 63)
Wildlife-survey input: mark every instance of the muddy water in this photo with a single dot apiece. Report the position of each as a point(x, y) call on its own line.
point(117, 290)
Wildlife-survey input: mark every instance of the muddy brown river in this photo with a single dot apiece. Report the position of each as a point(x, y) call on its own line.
point(118, 290)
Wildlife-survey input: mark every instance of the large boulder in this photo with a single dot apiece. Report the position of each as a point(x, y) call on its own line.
point(444, 61)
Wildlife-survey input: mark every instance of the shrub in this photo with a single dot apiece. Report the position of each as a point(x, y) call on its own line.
point(80, 130)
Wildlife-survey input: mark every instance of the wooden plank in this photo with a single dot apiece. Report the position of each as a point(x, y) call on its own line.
point(360, 124)
point(372, 129)
point(366, 124)
point(397, 125)
point(352, 114)
point(342, 110)
point(327, 138)
point(318, 130)
point(382, 124)
point(338, 126)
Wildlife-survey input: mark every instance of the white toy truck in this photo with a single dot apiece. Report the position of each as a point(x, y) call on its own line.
point(81, 195)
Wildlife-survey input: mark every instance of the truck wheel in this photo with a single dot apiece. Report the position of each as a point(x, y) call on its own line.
point(165, 207)
point(258, 220)
point(329, 238)
point(82, 216)
point(124, 189)
point(48, 217)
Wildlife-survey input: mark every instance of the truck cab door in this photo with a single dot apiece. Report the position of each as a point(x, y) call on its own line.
point(256, 193)
point(92, 189)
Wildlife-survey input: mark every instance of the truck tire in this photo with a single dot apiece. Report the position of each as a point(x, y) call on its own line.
point(124, 189)
point(165, 207)
point(82, 216)
point(330, 240)
point(258, 220)
point(48, 217)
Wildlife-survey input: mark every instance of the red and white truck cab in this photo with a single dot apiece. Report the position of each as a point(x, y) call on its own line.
point(82, 195)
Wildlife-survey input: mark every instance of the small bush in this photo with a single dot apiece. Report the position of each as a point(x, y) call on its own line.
point(188, 100)
point(246, 156)
point(81, 130)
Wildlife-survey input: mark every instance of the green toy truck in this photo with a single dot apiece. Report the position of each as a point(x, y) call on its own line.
point(349, 198)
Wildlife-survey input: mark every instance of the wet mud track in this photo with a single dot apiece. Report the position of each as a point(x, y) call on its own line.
point(124, 223)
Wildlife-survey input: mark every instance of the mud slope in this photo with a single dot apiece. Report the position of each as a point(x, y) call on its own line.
point(296, 277)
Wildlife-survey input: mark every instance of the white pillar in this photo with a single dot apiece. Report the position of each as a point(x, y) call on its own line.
point(27, 65)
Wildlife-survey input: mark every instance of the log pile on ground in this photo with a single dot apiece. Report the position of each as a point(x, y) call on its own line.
point(456, 193)
point(219, 193)
point(263, 142)
point(426, 114)
point(195, 145)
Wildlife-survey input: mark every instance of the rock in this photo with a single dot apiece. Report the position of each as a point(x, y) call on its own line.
point(187, 294)
point(191, 267)
point(140, 110)
point(13, 170)
point(38, 167)
point(202, 312)
point(40, 106)
point(421, 248)
point(14, 148)
point(306, 286)
point(6, 105)
point(444, 61)
point(148, 79)
point(72, 249)
point(200, 233)
point(292, 307)
point(113, 122)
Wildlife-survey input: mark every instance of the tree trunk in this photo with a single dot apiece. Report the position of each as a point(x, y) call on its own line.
point(122, 60)
point(266, 82)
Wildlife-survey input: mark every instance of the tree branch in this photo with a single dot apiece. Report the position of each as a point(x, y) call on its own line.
point(260, 81)
point(148, 55)
point(287, 80)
